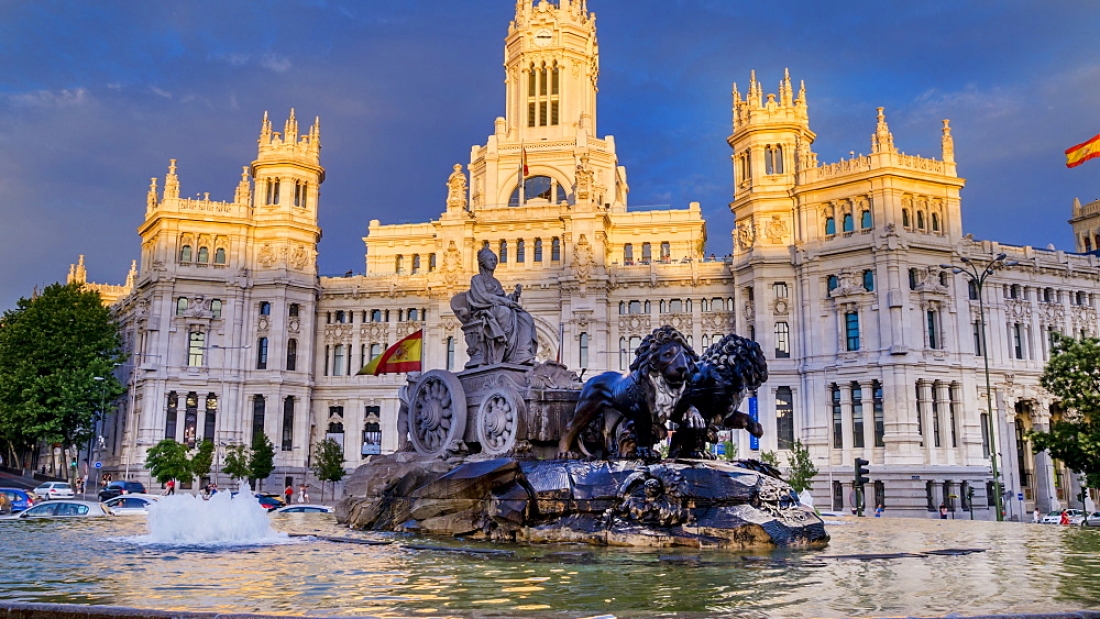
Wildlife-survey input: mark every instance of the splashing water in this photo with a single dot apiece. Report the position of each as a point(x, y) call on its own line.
point(223, 520)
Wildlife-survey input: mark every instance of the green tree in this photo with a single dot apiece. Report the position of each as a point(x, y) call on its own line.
point(53, 346)
point(203, 459)
point(168, 460)
point(770, 457)
point(802, 469)
point(1073, 376)
point(262, 461)
point(328, 463)
point(236, 462)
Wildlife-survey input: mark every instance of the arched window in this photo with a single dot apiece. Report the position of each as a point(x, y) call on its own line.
point(181, 306)
point(920, 220)
point(219, 255)
point(769, 167)
point(539, 188)
point(185, 253)
point(204, 255)
point(849, 223)
point(830, 226)
point(865, 220)
point(935, 222)
point(555, 249)
point(216, 308)
point(622, 307)
point(782, 340)
point(905, 217)
point(538, 250)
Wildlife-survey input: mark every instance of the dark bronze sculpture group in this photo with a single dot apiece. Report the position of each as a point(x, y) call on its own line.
point(519, 450)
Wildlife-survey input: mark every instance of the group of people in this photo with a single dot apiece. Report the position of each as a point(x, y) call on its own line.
point(303, 494)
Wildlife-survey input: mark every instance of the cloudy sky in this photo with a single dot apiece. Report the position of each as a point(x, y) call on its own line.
point(95, 97)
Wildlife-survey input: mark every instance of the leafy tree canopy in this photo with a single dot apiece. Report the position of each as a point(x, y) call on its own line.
point(328, 462)
point(52, 348)
point(802, 469)
point(262, 460)
point(203, 459)
point(1073, 376)
point(168, 460)
point(236, 462)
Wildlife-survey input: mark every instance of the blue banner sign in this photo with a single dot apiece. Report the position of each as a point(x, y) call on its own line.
point(754, 412)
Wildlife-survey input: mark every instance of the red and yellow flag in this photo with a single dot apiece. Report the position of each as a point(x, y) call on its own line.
point(523, 161)
point(403, 356)
point(1084, 151)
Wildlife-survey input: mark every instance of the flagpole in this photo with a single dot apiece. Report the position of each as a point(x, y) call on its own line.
point(522, 173)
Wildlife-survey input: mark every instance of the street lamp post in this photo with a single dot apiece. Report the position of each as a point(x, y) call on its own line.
point(95, 431)
point(978, 274)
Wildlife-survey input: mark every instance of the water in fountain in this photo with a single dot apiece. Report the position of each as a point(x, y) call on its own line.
point(223, 520)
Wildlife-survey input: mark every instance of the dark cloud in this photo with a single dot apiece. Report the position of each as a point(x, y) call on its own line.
point(96, 97)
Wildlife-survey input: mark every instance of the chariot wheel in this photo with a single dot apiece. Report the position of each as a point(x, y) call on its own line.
point(437, 413)
point(501, 421)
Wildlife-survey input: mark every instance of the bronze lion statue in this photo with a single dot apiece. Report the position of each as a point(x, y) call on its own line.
point(727, 372)
point(635, 407)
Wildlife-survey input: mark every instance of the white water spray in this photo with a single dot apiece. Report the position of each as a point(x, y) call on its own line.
point(223, 520)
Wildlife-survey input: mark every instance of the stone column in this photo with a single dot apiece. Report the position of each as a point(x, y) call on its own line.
point(846, 420)
point(924, 400)
point(1046, 499)
point(868, 388)
point(943, 412)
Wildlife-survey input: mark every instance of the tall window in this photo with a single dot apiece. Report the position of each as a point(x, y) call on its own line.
point(583, 350)
point(555, 249)
point(181, 306)
point(338, 360)
point(933, 330)
point(848, 222)
point(832, 282)
point(972, 290)
point(830, 226)
point(272, 191)
point(216, 308)
point(782, 340)
point(416, 264)
point(185, 253)
point(521, 251)
point(450, 353)
point(628, 254)
point(299, 194)
point(1018, 340)
point(372, 431)
point(780, 290)
point(265, 308)
point(622, 353)
point(851, 328)
point(209, 425)
point(857, 415)
point(538, 250)
point(399, 264)
point(259, 409)
point(288, 423)
point(292, 355)
point(431, 262)
point(838, 419)
point(336, 425)
point(647, 253)
point(170, 417)
point(865, 220)
point(666, 251)
point(543, 85)
point(838, 496)
point(869, 280)
point(196, 346)
point(503, 253)
point(951, 412)
point(784, 417)
point(936, 416)
point(204, 255)
point(261, 354)
point(880, 426)
point(985, 434)
point(979, 350)
point(219, 255)
point(880, 493)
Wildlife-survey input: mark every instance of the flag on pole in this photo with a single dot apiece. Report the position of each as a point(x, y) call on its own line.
point(1081, 153)
point(523, 161)
point(403, 356)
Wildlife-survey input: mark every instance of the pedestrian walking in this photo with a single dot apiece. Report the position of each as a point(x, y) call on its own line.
point(1064, 519)
point(170, 488)
point(878, 511)
point(302, 493)
point(1035, 516)
point(289, 494)
point(305, 494)
point(943, 511)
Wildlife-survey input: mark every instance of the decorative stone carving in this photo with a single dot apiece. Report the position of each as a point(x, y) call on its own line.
point(497, 328)
point(299, 257)
point(456, 189)
point(452, 265)
point(582, 260)
point(848, 284)
point(266, 257)
point(746, 234)
point(775, 230)
point(584, 179)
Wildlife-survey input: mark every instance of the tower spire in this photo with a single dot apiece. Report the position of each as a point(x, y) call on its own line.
point(290, 129)
point(947, 143)
point(171, 181)
point(882, 141)
point(786, 93)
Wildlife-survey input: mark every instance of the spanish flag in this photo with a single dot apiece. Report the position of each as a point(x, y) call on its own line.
point(523, 161)
point(1081, 153)
point(403, 356)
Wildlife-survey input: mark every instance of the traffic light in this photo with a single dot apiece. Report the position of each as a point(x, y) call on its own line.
point(862, 472)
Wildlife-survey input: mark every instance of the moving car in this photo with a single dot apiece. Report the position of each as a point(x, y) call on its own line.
point(119, 488)
point(304, 508)
point(1093, 520)
point(130, 504)
point(65, 508)
point(18, 499)
point(1055, 517)
point(55, 490)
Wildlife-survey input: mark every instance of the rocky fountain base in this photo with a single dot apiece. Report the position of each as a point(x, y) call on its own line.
point(692, 503)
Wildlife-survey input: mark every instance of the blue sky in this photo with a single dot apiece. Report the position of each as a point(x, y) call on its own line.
point(96, 97)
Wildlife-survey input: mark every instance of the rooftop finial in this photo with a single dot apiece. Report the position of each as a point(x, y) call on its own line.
point(882, 141)
point(947, 143)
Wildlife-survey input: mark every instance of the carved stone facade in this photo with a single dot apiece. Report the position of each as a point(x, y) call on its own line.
point(835, 271)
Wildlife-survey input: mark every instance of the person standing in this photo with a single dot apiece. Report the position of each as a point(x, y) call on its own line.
point(878, 511)
point(943, 511)
point(302, 493)
point(170, 488)
point(1064, 518)
point(1035, 517)
point(289, 494)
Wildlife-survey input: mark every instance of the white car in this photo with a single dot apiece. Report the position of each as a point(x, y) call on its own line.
point(65, 508)
point(1055, 517)
point(130, 504)
point(304, 508)
point(55, 490)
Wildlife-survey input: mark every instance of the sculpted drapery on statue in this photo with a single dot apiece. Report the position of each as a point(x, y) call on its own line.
point(497, 328)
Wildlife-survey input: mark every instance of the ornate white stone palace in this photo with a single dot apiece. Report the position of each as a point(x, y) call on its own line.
point(873, 346)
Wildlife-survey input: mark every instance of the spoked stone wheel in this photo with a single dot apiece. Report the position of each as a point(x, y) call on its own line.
point(437, 413)
point(500, 421)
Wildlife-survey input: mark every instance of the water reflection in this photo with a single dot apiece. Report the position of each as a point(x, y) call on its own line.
point(1024, 568)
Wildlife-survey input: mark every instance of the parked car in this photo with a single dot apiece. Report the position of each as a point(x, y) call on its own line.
point(1093, 520)
point(65, 508)
point(303, 508)
point(277, 497)
point(119, 488)
point(1055, 517)
point(18, 498)
point(130, 504)
point(269, 503)
point(55, 490)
